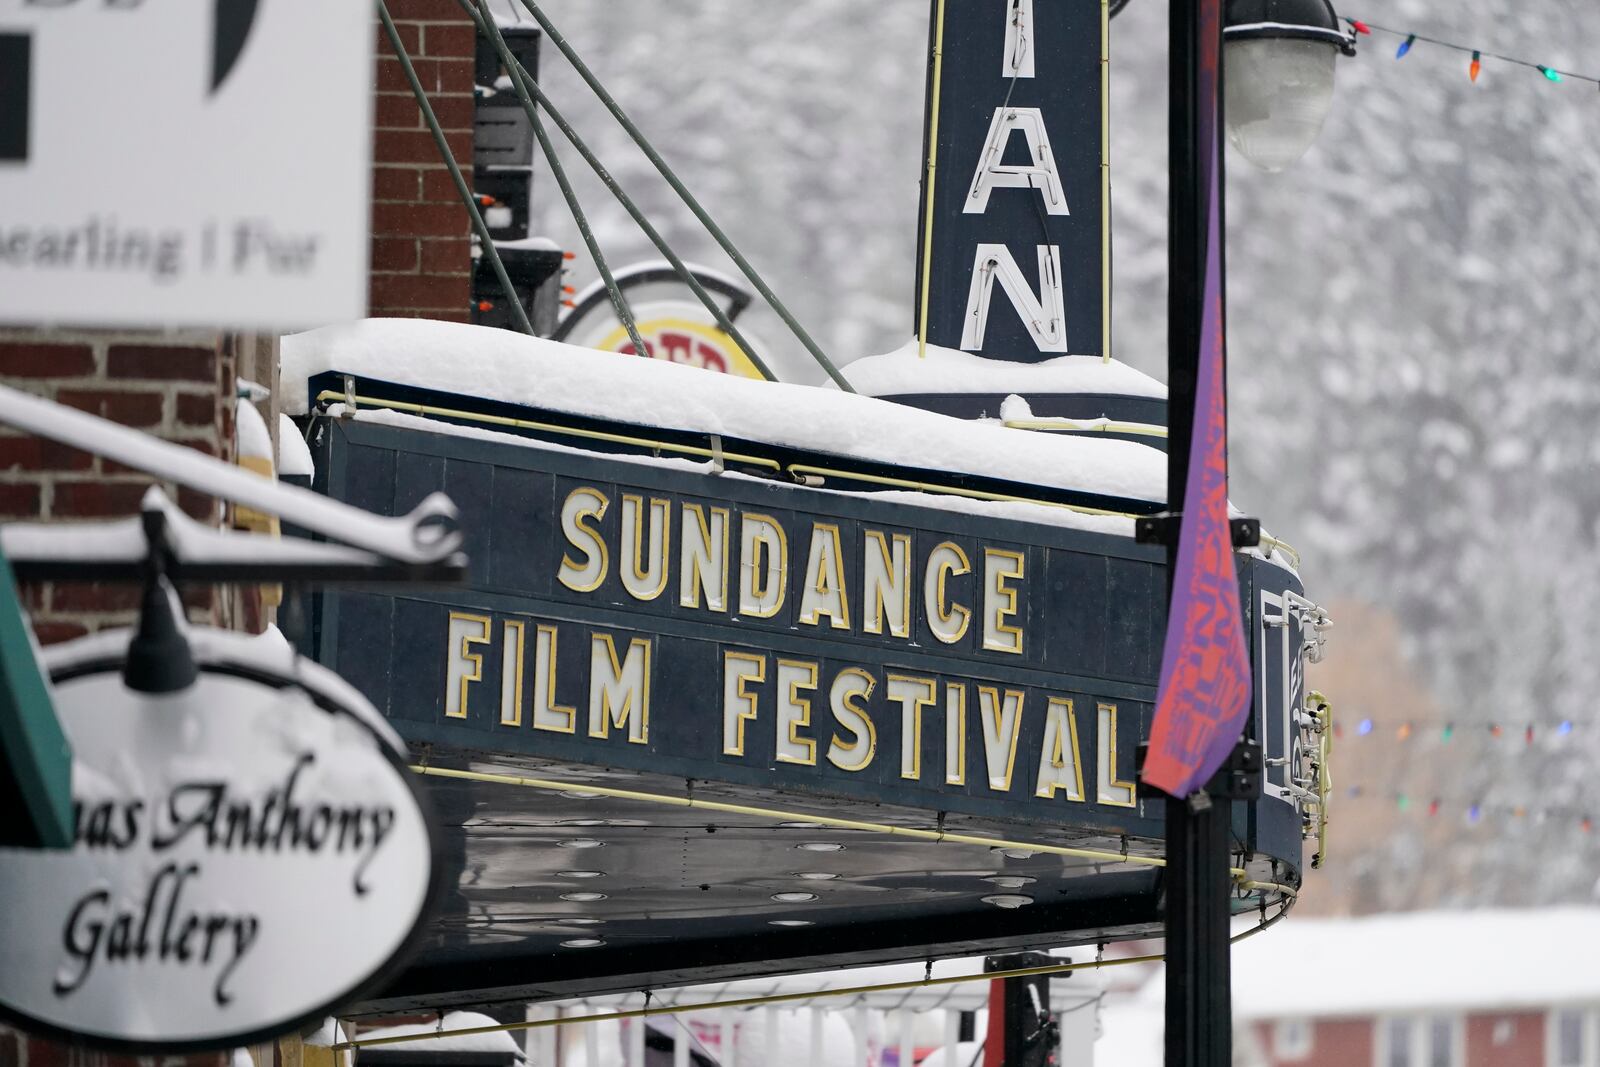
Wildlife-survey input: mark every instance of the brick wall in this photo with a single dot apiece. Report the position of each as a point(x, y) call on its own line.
point(176, 386)
point(1499, 1039)
point(1334, 1043)
point(421, 250)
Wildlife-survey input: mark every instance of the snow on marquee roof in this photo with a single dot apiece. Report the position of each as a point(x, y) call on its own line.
point(1416, 962)
point(1116, 525)
point(945, 370)
point(501, 365)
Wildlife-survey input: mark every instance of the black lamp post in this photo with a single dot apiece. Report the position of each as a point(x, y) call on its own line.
point(1275, 77)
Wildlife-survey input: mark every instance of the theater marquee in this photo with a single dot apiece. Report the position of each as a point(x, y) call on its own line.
point(640, 631)
point(622, 615)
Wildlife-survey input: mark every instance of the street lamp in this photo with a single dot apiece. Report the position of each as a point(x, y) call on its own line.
point(1279, 58)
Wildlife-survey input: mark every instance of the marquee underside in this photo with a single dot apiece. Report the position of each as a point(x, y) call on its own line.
point(688, 893)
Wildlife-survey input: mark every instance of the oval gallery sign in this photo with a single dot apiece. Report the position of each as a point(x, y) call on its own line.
point(249, 852)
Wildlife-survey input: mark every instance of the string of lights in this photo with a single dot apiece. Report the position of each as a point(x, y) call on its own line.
point(1444, 733)
point(1472, 809)
point(1475, 65)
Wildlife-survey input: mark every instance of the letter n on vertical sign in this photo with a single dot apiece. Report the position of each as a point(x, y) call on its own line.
point(16, 74)
point(1015, 247)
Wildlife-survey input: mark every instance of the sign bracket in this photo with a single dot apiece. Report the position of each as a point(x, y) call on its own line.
point(1162, 529)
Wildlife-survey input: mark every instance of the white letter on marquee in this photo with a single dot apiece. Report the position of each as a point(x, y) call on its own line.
point(1044, 315)
point(619, 693)
point(1039, 174)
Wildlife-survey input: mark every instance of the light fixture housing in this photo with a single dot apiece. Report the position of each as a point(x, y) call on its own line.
point(1278, 73)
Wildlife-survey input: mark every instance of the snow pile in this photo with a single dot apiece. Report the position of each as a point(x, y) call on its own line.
point(501, 1041)
point(1015, 409)
point(529, 244)
point(294, 458)
point(500, 365)
point(945, 370)
point(250, 431)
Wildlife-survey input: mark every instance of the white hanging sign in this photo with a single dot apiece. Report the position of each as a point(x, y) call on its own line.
point(250, 853)
point(185, 162)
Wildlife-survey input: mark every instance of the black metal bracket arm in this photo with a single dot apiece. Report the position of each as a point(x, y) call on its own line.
point(1239, 777)
point(1163, 529)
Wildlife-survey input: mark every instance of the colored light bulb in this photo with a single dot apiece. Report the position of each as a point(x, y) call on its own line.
point(1518, 812)
point(1476, 67)
point(1553, 75)
point(1364, 727)
point(1587, 824)
point(1528, 734)
point(1404, 731)
point(1565, 728)
point(1338, 729)
point(1495, 730)
point(1405, 46)
point(1448, 732)
point(1433, 808)
point(1474, 813)
point(1402, 801)
point(1359, 26)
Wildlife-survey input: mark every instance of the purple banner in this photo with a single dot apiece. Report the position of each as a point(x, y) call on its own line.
point(1204, 696)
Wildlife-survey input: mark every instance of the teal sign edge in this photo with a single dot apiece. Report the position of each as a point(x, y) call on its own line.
point(34, 753)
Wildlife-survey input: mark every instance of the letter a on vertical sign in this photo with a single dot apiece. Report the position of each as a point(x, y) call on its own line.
point(249, 853)
point(1204, 697)
point(1016, 191)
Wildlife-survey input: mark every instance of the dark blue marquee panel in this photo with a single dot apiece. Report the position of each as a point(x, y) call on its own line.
point(662, 628)
point(1078, 634)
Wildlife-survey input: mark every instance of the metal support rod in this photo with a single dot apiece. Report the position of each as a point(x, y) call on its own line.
point(1198, 1004)
point(619, 303)
point(525, 84)
point(450, 163)
point(688, 198)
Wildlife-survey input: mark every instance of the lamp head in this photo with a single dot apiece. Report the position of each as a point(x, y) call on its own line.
point(1279, 58)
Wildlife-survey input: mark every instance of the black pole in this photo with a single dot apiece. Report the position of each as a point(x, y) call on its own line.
point(1199, 1010)
point(1031, 1032)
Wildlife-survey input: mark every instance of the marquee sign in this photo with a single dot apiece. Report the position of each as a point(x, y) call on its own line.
point(626, 616)
point(661, 628)
point(634, 615)
point(249, 852)
point(1015, 224)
